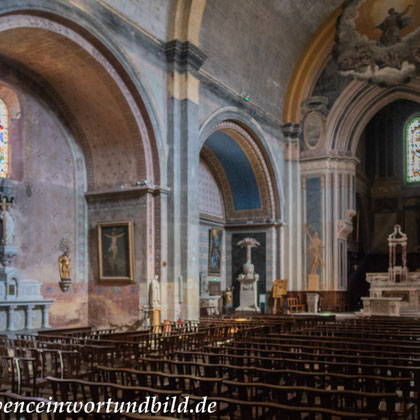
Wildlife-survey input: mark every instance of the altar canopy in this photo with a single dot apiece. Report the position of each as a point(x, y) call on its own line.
point(397, 291)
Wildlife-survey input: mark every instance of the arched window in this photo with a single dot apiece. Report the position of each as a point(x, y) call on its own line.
point(412, 149)
point(4, 140)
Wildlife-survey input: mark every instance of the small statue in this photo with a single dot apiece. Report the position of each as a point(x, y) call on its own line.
point(8, 223)
point(64, 263)
point(315, 250)
point(155, 292)
point(228, 298)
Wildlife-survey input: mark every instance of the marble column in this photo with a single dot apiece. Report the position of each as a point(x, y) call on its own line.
point(10, 316)
point(28, 310)
point(45, 321)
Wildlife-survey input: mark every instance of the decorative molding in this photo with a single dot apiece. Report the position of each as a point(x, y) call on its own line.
point(292, 131)
point(329, 163)
point(124, 197)
point(314, 104)
point(183, 56)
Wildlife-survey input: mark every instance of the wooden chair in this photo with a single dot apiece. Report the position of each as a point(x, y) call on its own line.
point(294, 306)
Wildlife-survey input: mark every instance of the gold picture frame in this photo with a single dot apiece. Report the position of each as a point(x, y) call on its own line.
point(115, 251)
point(215, 251)
point(279, 288)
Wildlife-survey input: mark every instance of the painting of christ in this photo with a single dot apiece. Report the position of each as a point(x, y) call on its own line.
point(115, 250)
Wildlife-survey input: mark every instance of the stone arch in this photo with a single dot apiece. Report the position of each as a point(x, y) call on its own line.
point(69, 49)
point(10, 98)
point(356, 106)
point(308, 68)
point(256, 155)
point(185, 20)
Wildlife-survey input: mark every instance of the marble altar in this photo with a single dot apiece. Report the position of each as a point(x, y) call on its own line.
point(248, 280)
point(21, 303)
point(396, 292)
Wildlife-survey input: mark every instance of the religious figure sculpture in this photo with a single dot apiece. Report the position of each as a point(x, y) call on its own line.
point(113, 247)
point(392, 25)
point(8, 223)
point(315, 247)
point(228, 299)
point(248, 279)
point(155, 292)
point(315, 257)
point(64, 263)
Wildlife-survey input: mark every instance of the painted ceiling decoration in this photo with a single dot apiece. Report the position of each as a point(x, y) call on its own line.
point(238, 169)
point(379, 40)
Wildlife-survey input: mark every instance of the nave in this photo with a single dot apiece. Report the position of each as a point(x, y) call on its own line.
point(260, 367)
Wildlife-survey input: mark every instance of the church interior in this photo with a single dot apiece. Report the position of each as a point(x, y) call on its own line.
point(210, 202)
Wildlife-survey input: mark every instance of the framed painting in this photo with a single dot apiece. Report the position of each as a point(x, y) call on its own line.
point(115, 250)
point(279, 288)
point(215, 251)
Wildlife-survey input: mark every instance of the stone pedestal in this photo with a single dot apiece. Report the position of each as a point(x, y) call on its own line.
point(312, 299)
point(313, 282)
point(210, 304)
point(156, 316)
point(248, 295)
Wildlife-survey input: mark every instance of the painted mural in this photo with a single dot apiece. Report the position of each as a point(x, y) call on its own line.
point(379, 40)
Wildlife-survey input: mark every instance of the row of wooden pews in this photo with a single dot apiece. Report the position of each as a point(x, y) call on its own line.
point(260, 367)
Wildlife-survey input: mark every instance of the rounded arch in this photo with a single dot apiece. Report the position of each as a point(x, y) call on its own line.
point(102, 101)
point(356, 106)
point(231, 125)
point(185, 20)
point(308, 68)
point(11, 100)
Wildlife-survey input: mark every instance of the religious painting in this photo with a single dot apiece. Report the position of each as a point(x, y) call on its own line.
point(379, 40)
point(215, 251)
point(115, 242)
point(279, 288)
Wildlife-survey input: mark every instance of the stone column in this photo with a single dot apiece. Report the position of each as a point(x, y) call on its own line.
point(10, 313)
point(45, 322)
point(184, 60)
point(404, 256)
point(28, 310)
point(292, 228)
point(328, 207)
point(390, 256)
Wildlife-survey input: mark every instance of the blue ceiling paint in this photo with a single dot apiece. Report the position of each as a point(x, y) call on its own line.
point(238, 171)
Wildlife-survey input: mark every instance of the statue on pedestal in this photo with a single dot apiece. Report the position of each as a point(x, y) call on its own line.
point(64, 263)
point(249, 279)
point(315, 258)
point(155, 292)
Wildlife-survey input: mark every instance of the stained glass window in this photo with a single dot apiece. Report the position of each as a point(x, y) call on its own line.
point(4, 140)
point(412, 145)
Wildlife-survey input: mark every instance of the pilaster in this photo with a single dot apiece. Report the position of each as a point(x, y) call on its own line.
point(182, 288)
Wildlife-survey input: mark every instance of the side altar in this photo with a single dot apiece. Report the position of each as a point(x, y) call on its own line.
point(396, 292)
point(21, 304)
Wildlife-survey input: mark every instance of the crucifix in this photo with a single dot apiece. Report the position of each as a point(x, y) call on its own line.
point(8, 223)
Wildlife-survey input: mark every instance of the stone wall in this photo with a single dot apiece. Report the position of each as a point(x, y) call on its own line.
point(50, 205)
